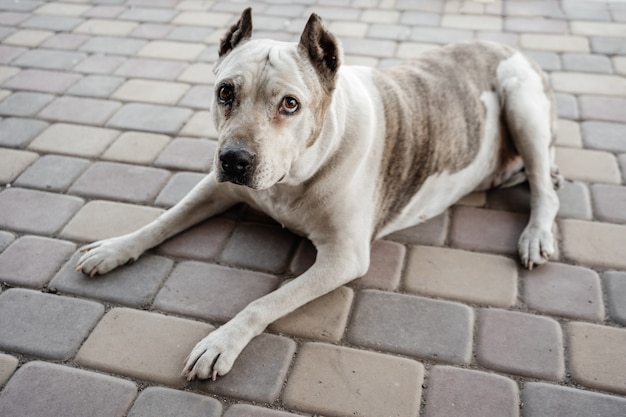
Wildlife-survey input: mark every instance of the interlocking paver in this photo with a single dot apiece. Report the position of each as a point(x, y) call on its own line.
point(158, 92)
point(68, 41)
point(463, 276)
point(458, 392)
point(180, 51)
point(386, 263)
point(604, 136)
point(18, 132)
point(247, 410)
point(603, 108)
point(44, 81)
point(45, 325)
point(204, 241)
point(622, 163)
point(593, 243)
point(413, 326)
point(178, 186)
point(99, 64)
point(353, 382)
point(27, 37)
point(151, 31)
point(136, 147)
point(200, 125)
point(36, 211)
point(161, 401)
point(564, 290)
point(586, 63)
point(556, 43)
point(615, 285)
point(47, 59)
point(151, 68)
point(62, 9)
point(8, 53)
point(598, 29)
point(150, 117)
point(51, 22)
point(141, 345)
point(587, 165)
point(585, 83)
point(13, 163)
point(75, 140)
point(432, 232)
point(198, 97)
point(8, 364)
point(105, 27)
point(5, 239)
point(608, 202)
point(24, 104)
point(606, 45)
point(185, 153)
point(566, 106)
point(113, 45)
point(520, 343)
point(80, 110)
point(568, 134)
point(101, 86)
point(41, 389)
point(31, 260)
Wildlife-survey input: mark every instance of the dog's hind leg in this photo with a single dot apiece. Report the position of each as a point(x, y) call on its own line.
point(529, 113)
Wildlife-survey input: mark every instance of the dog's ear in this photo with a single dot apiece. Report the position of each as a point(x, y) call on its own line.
point(322, 49)
point(240, 31)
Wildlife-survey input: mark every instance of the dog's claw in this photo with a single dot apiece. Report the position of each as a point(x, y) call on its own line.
point(214, 375)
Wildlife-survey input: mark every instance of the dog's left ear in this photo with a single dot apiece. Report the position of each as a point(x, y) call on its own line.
point(240, 31)
point(322, 49)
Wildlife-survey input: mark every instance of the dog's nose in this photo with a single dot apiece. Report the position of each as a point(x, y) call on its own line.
point(236, 163)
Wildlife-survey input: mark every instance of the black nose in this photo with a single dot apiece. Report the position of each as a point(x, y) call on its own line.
point(236, 163)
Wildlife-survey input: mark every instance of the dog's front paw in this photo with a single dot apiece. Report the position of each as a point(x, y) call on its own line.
point(535, 246)
point(213, 356)
point(103, 256)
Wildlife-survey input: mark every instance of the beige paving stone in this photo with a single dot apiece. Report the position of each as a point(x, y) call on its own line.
point(337, 381)
point(461, 21)
point(142, 345)
point(198, 74)
point(380, 16)
point(62, 9)
point(13, 162)
point(104, 219)
point(588, 165)
point(136, 147)
point(594, 243)
point(408, 50)
point(365, 61)
point(200, 125)
point(460, 275)
point(477, 199)
point(619, 64)
point(205, 19)
point(4, 94)
point(323, 319)
point(568, 134)
point(106, 27)
point(556, 43)
point(179, 51)
point(7, 72)
point(8, 364)
point(27, 37)
point(343, 28)
point(597, 356)
point(598, 29)
point(71, 139)
point(158, 92)
point(585, 83)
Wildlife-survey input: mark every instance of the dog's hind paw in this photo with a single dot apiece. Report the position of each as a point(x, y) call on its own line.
point(535, 246)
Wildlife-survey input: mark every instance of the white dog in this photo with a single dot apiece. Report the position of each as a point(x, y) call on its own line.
point(345, 155)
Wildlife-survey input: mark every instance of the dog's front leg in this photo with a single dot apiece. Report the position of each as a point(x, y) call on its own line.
point(336, 265)
point(206, 199)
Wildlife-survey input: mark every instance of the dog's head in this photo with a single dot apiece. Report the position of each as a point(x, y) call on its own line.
point(270, 101)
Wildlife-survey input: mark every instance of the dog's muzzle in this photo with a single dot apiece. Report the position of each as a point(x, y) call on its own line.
point(236, 166)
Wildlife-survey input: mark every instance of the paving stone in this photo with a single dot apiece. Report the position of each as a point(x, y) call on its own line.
point(99, 64)
point(556, 43)
point(13, 163)
point(42, 80)
point(141, 345)
point(64, 9)
point(247, 410)
point(153, 118)
point(75, 140)
point(8, 364)
point(437, 330)
point(210, 19)
point(68, 41)
point(604, 136)
point(5, 239)
point(259, 372)
point(454, 392)
point(472, 22)
point(7, 72)
point(585, 83)
point(145, 14)
point(622, 163)
point(45, 325)
point(80, 110)
point(24, 6)
point(548, 61)
point(619, 63)
point(203, 242)
point(179, 51)
point(53, 23)
point(586, 63)
point(136, 147)
point(596, 354)
point(24, 104)
point(35, 211)
point(598, 29)
point(615, 286)
point(151, 68)
point(178, 186)
point(353, 382)
point(372, 47)
point(106, 27)
point(8, 53)
point(535, 25)
point(608, 45)
point(542, 399)
point(17, 264)
point(198, 74)
point(101, 86)
point(121, 182)
point(41, 389)
point(432, 232)
point(607, 201)
point(164, 401)
point(151, 31)
point(603, 108)
point(587, 165)
point(189, 34)
point(189, 154)
point(439, 35)
point(564, 290)
point(322, 319)
point(158, 92)
point(568, 134)
point(12, 18)
point(200, 125)
point(593, 243)
point(48, 59)
point(421, 18)
point(566, 106)
point(27, 37)
point(104, 219)
point(211, 292)
point(458, 275)
point(17, 133)
point(113, 45)
point(511, 39)
point(520, 344)
point(259, 246)
point(386, 263)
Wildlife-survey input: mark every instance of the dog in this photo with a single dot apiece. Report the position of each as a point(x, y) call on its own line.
point(344, 155)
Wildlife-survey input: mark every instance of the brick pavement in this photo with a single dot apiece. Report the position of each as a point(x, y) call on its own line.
point(104, 123)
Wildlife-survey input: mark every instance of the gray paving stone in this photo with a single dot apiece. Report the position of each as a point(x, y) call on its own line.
point(50, 22)
point(603, 108)
point(113, 45)
point(151, 31)
point(52, 173)
point(101, 86)
point(17, 132)
point(177, 187)
point(247, 410)
point(605, 136)
point(5, 239)
point(259, 372)
point(540, 399)
point(45, 325)
point(609, 202)
point(145, 14)
point(412, 326)
point(622, 163)
point(68, 41)
point(159, 401)
point(454, 392)
point(202, 242)
point(8, 53)
point(8, 364)
point(48, 59)
point(370, 47)
point(121, 182)
point(440, 35)
point(586, 63)
point(44, 81)
point(41, 389)
point(197, 97)
point(151, 68)
point(133, 285)
point(99, 64)
point(608, 46)
point(35, 211)
point(520, 343)
point(566, 106)
point(23, 6)
point(211, 292)
point(534, 25)
point(149, 117)
point(386, 264)
point(259, 246)
point(24, 104)
point(80, 110)
point(31, 261)
point(189, 34)
point(188, 154)
point(548, 61)
point(615, 286)
point(432, 232)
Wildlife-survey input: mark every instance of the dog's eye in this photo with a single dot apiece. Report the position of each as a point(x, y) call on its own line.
point(225, 94)
point(289, 105)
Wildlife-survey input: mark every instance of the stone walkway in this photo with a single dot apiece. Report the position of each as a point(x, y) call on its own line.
point(104, 124)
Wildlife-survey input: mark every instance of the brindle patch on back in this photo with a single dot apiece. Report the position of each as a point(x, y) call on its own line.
point(434, 118)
